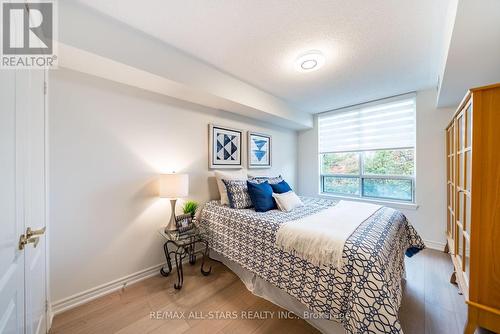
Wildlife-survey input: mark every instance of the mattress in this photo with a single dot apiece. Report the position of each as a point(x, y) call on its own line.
point(364, 295)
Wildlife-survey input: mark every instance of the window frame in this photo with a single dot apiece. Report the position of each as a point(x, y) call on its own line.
point(362, 176)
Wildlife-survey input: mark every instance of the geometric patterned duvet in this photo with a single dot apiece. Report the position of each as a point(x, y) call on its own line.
point(364, 295)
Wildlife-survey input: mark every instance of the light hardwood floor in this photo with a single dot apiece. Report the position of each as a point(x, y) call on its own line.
point(430, 304)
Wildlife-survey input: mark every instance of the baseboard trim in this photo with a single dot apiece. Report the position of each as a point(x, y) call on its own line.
point(101, 290)
point(437, 245)
point(50, 317)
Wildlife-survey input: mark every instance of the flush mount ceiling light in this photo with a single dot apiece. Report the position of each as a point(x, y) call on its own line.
point(310, 61)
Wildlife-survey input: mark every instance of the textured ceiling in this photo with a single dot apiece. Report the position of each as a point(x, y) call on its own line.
point(373, 49)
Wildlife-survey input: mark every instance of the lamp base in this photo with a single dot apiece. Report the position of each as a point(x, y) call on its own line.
point(167, 231)
point(172, 224)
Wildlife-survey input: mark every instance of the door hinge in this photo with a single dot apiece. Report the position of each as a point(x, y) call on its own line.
point(45, 87)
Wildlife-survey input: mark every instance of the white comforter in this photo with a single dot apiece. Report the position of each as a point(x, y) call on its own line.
point(320, 237)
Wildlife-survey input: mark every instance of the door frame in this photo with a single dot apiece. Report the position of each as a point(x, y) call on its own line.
point(48, 306)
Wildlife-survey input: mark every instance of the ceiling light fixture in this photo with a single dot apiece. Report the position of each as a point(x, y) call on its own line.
point(310, 61)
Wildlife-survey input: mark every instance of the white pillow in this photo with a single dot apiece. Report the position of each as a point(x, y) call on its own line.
point(227, 175)
point(287, 201)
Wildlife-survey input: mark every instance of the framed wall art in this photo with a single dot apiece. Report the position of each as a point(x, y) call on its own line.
point(224, 147)
point(259, 150)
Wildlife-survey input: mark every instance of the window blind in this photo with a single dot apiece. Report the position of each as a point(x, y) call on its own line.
point(385, 124)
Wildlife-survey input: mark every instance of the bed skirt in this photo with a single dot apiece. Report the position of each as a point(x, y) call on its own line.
point(266, 290)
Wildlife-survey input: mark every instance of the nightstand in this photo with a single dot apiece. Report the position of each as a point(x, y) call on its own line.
point(182, 245)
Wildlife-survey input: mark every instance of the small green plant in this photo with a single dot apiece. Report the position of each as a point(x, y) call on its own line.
point(190, 207)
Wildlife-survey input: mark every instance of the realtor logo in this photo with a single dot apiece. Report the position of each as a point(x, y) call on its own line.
point(27, 34)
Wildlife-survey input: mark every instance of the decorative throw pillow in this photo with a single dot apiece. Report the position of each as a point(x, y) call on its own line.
point(287, 201)
point(227, 175)
point(261, 195)
point(270, 179)
point(237, 193)
point(281, 187)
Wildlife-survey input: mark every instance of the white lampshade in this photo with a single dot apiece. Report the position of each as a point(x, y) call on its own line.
point(174, 185)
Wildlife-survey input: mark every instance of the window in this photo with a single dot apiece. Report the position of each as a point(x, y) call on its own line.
point(369, 150)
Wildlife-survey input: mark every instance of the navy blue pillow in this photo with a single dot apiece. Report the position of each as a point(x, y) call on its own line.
point(281, 187)
point(261, 195)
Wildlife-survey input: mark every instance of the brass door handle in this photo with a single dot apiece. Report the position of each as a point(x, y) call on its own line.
point(24, 240)
point(30, 232)
point(33, 240)
point(31, 237)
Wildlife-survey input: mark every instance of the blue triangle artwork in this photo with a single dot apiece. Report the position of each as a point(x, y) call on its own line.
point(227, 148)
point(260, 148)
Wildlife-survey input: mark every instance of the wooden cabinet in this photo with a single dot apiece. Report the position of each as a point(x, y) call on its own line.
point(473, 204)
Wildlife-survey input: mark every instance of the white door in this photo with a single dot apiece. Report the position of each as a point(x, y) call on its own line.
point(23, 292)
point(31, 84)
point(11, 213)
point(22, 202)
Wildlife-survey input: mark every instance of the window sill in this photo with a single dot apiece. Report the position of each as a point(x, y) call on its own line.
point(392, 204)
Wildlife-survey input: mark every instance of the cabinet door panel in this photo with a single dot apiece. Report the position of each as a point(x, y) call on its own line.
point(467, 260)
point(461, 133)
point(460, 243)
point(467, 170)
point(461, 170)
point(468, 126)
point(467, 214)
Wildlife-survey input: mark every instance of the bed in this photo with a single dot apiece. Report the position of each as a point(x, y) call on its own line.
point(362, 296)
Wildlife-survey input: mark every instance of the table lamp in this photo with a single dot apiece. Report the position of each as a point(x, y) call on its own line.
point(173, 186)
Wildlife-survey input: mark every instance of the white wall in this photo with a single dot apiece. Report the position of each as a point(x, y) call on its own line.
point(188, 78)
point(430, 217)
point(108, 143)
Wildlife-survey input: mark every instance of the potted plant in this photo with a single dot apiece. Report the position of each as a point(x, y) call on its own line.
point(190, 207)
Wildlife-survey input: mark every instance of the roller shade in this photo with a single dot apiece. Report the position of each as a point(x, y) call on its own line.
point(384, 124)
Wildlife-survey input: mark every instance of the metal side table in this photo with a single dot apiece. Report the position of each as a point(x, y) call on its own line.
point(183, 245)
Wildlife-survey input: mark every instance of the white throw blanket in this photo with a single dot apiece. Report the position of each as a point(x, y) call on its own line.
point(320, 238)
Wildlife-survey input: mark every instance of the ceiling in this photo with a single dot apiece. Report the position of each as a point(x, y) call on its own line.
point(373, 49)
point(474, 50)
